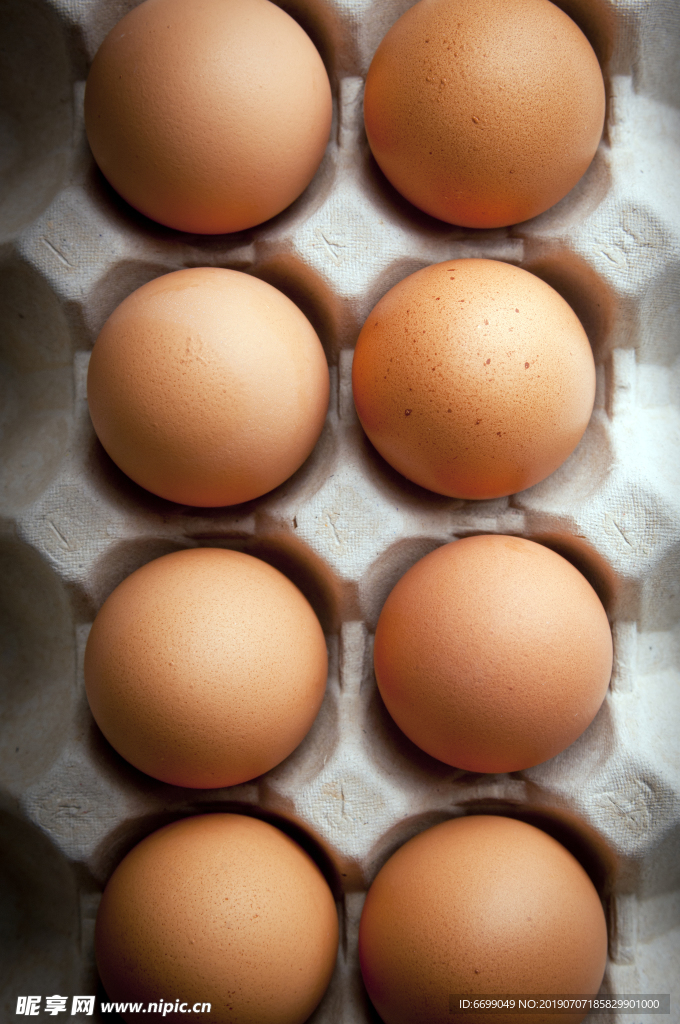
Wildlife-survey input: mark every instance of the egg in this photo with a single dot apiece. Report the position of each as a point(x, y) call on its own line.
point(493, 653)
point(223, 910)
point(480, 905)
point(482, 112)
point(473, 378)
point(205, 668)
point(209, 116)
point(208, 387)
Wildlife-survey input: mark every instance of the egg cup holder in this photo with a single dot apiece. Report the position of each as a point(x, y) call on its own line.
point(346, 526)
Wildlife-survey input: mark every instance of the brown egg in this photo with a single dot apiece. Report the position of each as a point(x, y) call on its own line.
point(493, 653)
point(482, 112)
point(205, 668)
point(220, 909)
point(208, 387)
point(480, 906)
point(208, 116)
point(473, 378)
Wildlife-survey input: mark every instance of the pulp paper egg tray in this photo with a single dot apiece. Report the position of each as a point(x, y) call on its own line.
point(346, 526)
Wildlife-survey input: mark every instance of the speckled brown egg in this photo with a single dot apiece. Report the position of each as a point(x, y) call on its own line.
point(220, 909)
point(208, 387)
point(493, 653)
point(473, 378)
point(208, 116)
point(480, 906)
point(482, 112)
point(205, 668)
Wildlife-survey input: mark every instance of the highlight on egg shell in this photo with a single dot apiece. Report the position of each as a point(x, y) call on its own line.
point(473, 378)
point(493, 653)
point(484, 113)
point(210, 116)
point(205, 668)
point(208, 387)
point(219, 909)
point(480, 905)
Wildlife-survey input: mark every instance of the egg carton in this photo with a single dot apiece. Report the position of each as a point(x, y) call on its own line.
point(346, 526)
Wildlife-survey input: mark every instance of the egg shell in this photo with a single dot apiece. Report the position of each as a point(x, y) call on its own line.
point(205, 668)
point(221, 909)
point(480, 905)
point(484, 113)
point(208, 387)
point(473, 378)
point(211, 116)
point(493, 653)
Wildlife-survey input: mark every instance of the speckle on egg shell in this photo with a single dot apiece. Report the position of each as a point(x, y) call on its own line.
point(494, 368)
